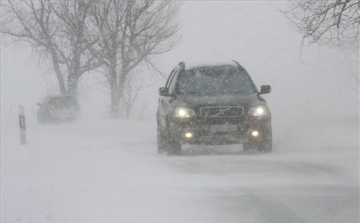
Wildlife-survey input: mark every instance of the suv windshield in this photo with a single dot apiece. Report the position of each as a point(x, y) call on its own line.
point(214, 80)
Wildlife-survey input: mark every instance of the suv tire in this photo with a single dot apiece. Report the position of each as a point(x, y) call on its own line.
point(173, 145)
point(161, 140)
point(264, 146)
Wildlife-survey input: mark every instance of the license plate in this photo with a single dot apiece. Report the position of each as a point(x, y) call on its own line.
point(222, 128)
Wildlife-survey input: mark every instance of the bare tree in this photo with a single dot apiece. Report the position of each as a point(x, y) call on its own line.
point(131, 32)
point(134, 86)
point(330, 22)
point(57, 30)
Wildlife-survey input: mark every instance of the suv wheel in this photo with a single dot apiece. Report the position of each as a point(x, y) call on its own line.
point(264, 146)
point(161, 140)
point(174, 148)
point(173, 145)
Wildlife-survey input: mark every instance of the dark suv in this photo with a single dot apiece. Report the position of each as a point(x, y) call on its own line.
point(212, 105)
point(58, 108)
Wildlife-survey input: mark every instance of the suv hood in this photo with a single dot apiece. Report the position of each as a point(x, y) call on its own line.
point(195, 100)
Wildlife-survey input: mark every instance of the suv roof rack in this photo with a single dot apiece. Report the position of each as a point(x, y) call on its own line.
point(239, 66)
point(234, 64)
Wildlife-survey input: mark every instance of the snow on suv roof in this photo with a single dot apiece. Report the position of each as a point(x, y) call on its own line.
point(232, 63)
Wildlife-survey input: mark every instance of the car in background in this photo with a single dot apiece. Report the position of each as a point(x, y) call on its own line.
point(213, 104)
point(58, 108)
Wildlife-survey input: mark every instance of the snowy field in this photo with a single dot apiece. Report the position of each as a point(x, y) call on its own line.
point(109, 171)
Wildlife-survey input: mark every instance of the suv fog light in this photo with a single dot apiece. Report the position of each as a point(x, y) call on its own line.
point(188, 135)
point(255, 133)
point(182, 112)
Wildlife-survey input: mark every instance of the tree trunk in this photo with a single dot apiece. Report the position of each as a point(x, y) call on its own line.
point(72, 84)
point(115, 99)
point(58, 73)
point(115, 105)
point(117, 90)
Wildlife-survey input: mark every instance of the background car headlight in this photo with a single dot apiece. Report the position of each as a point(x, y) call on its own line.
point(184, 113)
point(257, 111)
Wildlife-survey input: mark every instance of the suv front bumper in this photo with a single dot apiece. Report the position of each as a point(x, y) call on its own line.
point(220, 131)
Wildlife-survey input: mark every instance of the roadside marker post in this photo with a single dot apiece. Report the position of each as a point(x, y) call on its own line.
point(22, 124)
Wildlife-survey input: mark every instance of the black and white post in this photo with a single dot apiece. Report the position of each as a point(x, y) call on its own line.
point(22, 124)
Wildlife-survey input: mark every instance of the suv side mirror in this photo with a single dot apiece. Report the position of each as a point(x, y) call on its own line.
point(163, 91)
point(265, 89)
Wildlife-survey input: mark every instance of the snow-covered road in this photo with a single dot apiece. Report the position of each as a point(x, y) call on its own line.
point(109, 171)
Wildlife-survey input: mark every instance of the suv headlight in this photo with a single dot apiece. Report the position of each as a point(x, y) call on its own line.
point(184, 113)
point(257, 111)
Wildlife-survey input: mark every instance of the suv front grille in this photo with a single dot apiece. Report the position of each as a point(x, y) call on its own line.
point(225, 111)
